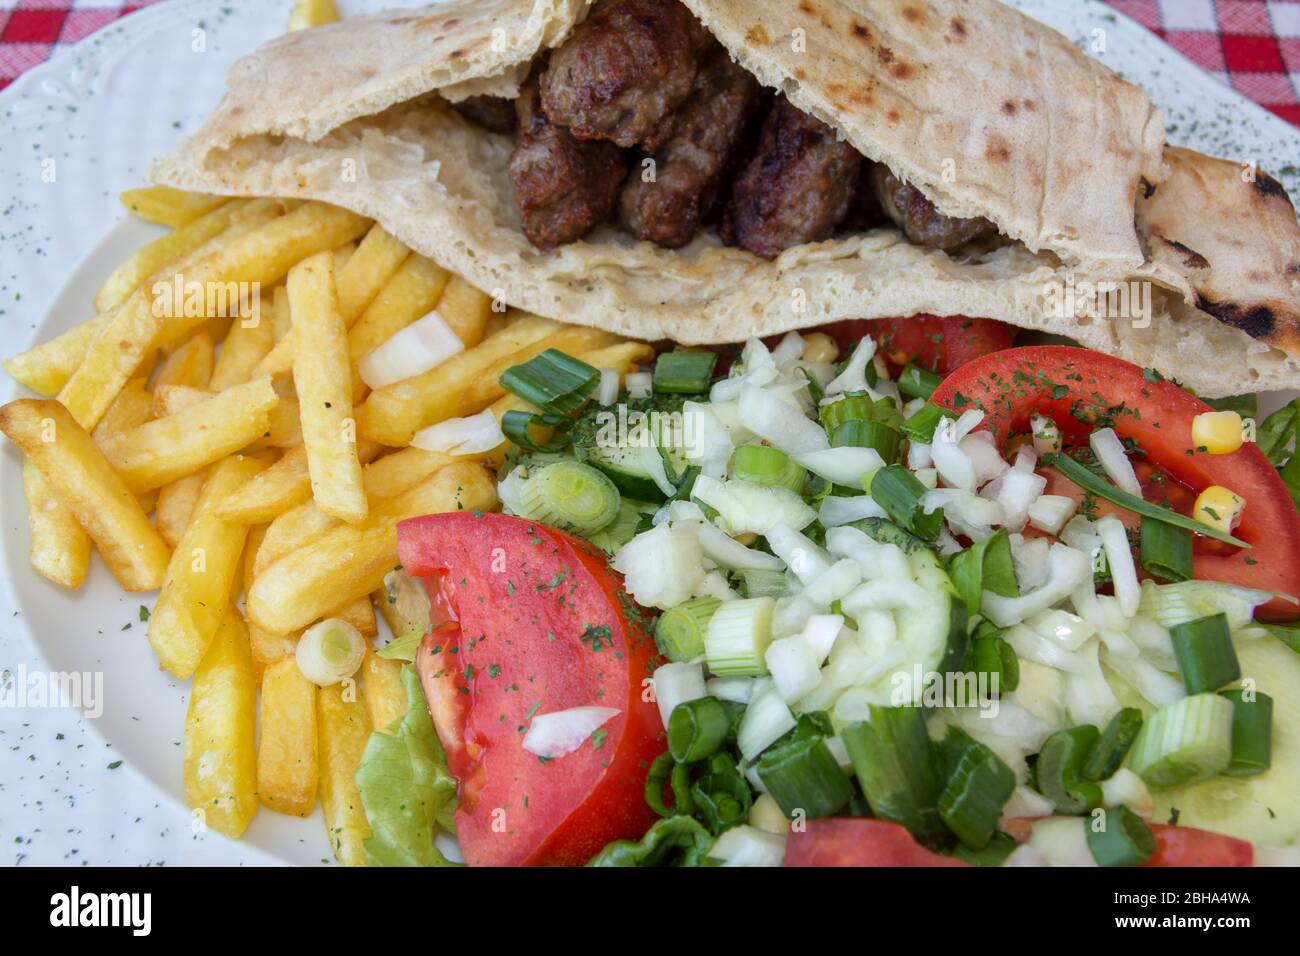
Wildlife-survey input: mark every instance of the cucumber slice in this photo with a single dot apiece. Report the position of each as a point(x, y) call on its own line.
point(934, 635)
point(625, 466)
point(1264, 809)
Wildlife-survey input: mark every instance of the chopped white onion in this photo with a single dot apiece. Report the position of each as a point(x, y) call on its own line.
point(749, 846)
point(954, 465)
point(660, 567)
point(564, 731)
point(844, 466)
point(1051, 512)
point(1125, 788)
point(1029, 555)
point(821, 632)
point(1066, 570)
point(1108, 448)
point(834, 583)
point(789, 350)
point(611, 381)
point(639, 384)
point(738, 690)
point(836, 511)
point(777, 422)
point(423, 345)
point(918, 456)
point(983, 453)
point(746, 507)
point(854, 376)
point(1017, 494)
point(676, 684)
point(806, 559)
point(793, 665)
point(726, 551)
point(708, 442)
point(766, 719)
point(462, 436)
point(1119, 556)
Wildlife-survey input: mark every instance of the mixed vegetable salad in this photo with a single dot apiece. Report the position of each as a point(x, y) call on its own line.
point(859, 599)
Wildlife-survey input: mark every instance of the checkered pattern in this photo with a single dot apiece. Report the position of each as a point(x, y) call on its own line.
point(1252, 45)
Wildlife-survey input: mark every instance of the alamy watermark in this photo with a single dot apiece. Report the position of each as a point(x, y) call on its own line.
point(22, 689)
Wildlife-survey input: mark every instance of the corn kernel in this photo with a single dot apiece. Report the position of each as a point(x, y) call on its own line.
point(820, 347)
point(1219, 507)
point(1219, 433)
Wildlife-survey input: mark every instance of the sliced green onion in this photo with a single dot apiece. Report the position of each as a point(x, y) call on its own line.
point(758, 583)
point(978, 786)
point(1247, 406)
point(988, 653)
point(1290, 473)
point(1123, 840)
point(854, 407)
point(998, 849)
point(738, 635)
point(330, 651)
point(985, 566)
point(553, 381)
point(886, 532)
point(571, 496)
point(1274, 434)
point(518, 427)
point(916, 382)
point(1059, 769)
point(1114, 745)
point(664, 771)
point(622, 529)
point(922, 423)
point(1187, 741)
point(1166, 550)
point(721, 796)
point(1086, 480)
point(899, 492)
point(882, 438)
point(684, 373)
point(896, 767)
point(804, 775)
point(768, 466)
point(1252, 732)
point(1205, 653)
point(680, 630)
point(1290, 636)
point(697, 728)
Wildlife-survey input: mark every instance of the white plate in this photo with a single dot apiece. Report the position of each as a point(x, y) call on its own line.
point(94, 117)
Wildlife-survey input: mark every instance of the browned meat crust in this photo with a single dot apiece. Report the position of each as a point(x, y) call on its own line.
point(564, 187)
point(797, 188)
point(920, 221)
point(688, 170)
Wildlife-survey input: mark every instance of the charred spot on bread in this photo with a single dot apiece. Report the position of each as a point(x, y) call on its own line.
point(1259, 322)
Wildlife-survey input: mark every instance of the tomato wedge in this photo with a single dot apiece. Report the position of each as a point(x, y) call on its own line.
point(859, 841)
point(1187, 846)
point(1083, 390)
point(527, 621)
point(937, 343)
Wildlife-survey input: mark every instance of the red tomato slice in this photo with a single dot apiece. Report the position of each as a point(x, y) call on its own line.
point(859, 841)
point(1082, 390)
point(1186, 846)
point(936, 343)
point(535, 622)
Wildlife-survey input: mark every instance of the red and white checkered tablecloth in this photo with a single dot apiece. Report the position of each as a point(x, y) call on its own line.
point(1253, 45)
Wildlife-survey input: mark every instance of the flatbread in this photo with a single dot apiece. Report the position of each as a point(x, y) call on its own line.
point(355, 114)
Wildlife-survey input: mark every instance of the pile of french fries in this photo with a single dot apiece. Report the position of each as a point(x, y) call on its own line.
point(233, 458)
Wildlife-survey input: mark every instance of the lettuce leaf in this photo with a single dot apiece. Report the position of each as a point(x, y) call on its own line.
point(405, 787)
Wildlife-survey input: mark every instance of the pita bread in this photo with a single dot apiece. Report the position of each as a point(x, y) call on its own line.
point(354, 114)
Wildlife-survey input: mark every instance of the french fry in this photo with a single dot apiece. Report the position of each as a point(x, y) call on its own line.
point(220, 731)
point(262, 256)
point(360, 614)
point(466, 310)
point(269, 648)
point(46, 368)
point(60, 549)
point(386, 478)
point(350, 561)
point(163, 252)
point(283, 486)
point(312, 13)
point(410, 294)
point(201, 573)
point(281, 322)
point(466, 383)
point(381, 685)
point(378, 257)
point(250, 338)
point(83, 481)
point(170, 207)
point(251, 544)
point(190, 365)
point(322, 376)
point(132, 408)
point(158, 452)
point(287, 763)
point(285, 427)
point(170, 399)
point(341, 256)
point(343, 727)
point(175, 506)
